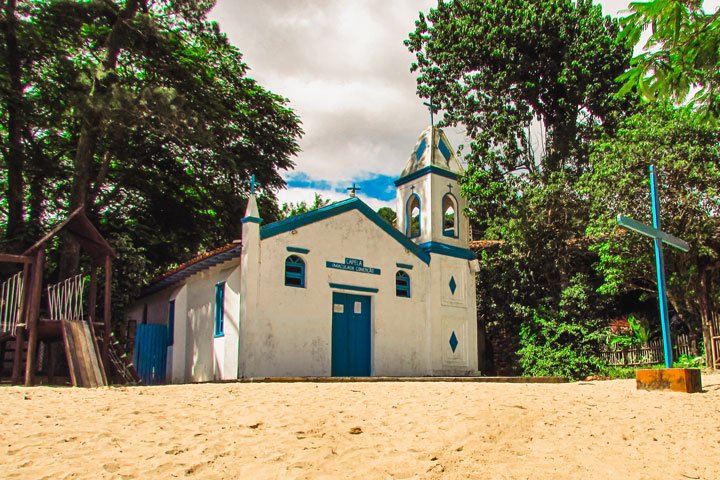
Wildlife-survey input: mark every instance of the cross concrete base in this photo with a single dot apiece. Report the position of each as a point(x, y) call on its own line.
point(686, 380)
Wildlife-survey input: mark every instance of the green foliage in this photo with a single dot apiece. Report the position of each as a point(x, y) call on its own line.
point(685, 151)
point(495, 66)
point(291, 209)
point(152, 123)
point(686, 361)
point(387, 214)
point(616, 373)
point(681, 55)
point(563, 341)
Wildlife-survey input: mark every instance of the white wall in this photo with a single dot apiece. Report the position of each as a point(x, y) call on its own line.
point(209, 357)
point(290, 333)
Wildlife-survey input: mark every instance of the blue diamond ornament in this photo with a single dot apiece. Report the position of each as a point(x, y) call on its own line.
point(453, 285)
point(453, 341)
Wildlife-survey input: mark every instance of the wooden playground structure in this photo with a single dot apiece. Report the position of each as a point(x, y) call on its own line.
point(86, 338)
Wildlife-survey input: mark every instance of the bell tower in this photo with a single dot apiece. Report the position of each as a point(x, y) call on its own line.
point(428, 202)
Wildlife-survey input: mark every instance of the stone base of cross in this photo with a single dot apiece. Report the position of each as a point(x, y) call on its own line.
point(659, 237)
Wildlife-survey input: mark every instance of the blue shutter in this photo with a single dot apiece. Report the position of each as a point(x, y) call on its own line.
point(402, 284)
point(294, 271)
point(171, 323)
point(219, 309)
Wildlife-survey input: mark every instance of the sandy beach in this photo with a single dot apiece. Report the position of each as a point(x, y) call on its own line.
point(592, 430)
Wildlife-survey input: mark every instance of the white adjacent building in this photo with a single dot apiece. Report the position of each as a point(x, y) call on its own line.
point(334, 292)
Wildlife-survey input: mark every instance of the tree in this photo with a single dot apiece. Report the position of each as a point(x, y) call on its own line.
point(681, 55)
point(388, 214)
point(143, 113)
point(291, 209)
point(684, 150)
point(494, 66)
point(533, 82)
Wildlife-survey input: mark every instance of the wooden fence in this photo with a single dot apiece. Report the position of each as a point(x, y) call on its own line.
point(650, 353)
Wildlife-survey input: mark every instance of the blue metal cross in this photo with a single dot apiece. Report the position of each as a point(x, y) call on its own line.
point(252, 184)
point(430, 107)
point(658, 237)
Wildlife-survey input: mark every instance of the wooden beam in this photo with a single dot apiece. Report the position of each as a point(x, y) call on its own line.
point(33, 316)
point(20, 329)
point(92, 303)
point(7, 258)
point(106, 314)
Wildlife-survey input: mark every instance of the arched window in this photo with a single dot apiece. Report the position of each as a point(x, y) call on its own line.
point(412, 214)
point(295, 271)
point(450, 216)
point(402, 284)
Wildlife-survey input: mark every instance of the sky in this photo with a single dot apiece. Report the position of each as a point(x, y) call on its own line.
point(346, 73)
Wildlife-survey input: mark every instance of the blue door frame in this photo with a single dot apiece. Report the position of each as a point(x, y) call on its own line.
point(351, 329)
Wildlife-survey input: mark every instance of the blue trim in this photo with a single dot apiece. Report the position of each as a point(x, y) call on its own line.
point(298, 250)
point(408, 216)
point(424, 171)
point(420, 150)
point(448, 250)
point(323, 213)
point(444, 150)
point(251, 220)
point(220, 309)
point(353, 287)
point(404, 265)
point(453, 232)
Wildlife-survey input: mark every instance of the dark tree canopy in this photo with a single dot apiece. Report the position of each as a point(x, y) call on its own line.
point(153, 129)
point(143, 112)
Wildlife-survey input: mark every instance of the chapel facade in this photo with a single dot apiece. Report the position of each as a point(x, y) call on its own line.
point(333, 292)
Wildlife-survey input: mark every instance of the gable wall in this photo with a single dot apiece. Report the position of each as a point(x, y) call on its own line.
point(289, 333)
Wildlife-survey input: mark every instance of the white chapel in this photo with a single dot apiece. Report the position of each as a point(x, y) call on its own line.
point(333, 292)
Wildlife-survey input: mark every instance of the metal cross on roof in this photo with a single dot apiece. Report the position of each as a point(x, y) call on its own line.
point(354, 189)
point(658, 237)
point(450, 187)
point(430, 107)
point(252, 184)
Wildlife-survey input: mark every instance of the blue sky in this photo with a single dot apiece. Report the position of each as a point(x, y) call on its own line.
point(344, 68)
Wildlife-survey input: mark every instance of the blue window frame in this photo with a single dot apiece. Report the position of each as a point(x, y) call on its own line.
point(220, 309)
point(450, 216)
point(294, 272)
point(171, 322)
point(413, 216)
point(402, 284)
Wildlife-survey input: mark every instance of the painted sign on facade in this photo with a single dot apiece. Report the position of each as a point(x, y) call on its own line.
point(353, 265)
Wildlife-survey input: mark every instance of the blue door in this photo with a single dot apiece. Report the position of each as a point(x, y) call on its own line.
point(350, 335)
point(151, 342)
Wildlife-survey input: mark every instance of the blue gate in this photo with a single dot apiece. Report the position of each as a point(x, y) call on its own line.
point(151, 353)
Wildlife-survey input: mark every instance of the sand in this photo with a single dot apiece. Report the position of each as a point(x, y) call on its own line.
point(589, 430)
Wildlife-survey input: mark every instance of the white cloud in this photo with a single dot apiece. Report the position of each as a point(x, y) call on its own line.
point(344, 68)
point(307, 195)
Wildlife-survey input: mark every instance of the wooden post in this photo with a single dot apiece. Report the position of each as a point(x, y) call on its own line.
point(92, 303)
point(20, 330)
point(106, 314)
point(33, 316)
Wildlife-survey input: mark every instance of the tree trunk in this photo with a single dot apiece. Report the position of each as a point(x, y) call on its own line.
point(16, 160)
point(706, 316)
point(92, 124)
